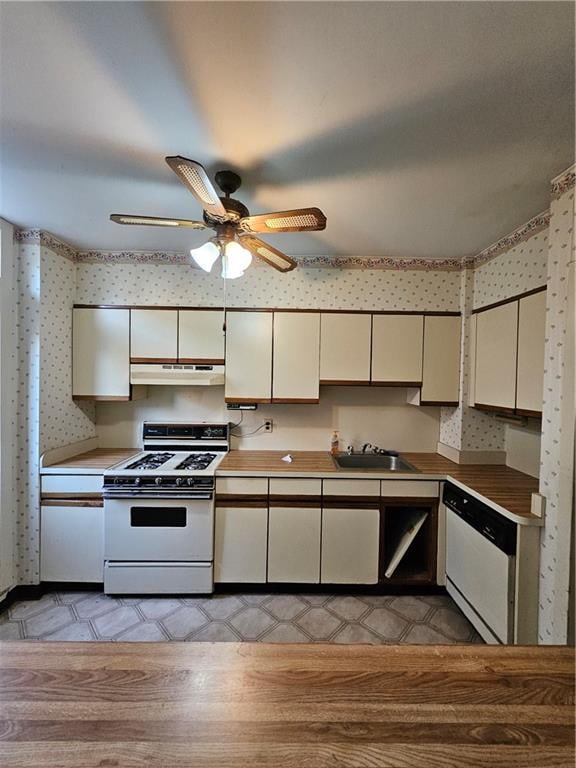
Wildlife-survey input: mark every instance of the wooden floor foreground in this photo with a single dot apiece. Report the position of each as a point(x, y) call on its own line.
point(79, 705)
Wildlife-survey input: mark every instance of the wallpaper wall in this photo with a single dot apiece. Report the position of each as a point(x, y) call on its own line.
point(159, 283)
point(557, 459)
point(47, 417)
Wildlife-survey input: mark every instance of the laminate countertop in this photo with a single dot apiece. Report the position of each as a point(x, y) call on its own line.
point(208, 705)
point(91, 462)
point(505, 489)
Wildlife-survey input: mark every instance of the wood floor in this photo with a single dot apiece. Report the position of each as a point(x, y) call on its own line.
point(81, 705)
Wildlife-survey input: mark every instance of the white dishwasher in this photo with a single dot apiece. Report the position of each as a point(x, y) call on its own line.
point(480, 564)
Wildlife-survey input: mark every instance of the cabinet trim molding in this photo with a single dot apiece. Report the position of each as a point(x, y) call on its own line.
point(494, 408)
point(244, 500)
point(351, 502)
point(200, 360)
point(154, 360)
point(173, 307)
point(516, 297)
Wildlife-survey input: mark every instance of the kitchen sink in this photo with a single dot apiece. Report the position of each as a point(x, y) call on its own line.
point(373, 461)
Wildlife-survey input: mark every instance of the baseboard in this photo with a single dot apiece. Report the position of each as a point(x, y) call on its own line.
point(332, 589)
point(471, 457)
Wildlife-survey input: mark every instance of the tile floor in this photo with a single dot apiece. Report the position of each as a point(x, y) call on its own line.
point(278, 618)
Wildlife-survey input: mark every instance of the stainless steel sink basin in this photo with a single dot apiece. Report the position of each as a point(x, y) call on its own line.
point(373, 461)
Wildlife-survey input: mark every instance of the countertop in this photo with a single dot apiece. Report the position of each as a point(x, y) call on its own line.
point(188, 705)
point(92, 462)
point(504, 488)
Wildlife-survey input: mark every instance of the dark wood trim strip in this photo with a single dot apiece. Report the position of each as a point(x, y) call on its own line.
point(103, 398)
point(75, 502)
point(271, 309)
point(247, 400)
point(242, 500)
point(509, 300)
point(395, 383)
point(414, 312)
point(351, 502)
point(282, 500)
point(493, 408)
point(528, 412)
point(296, 400)
point(343, 383)
point(154, 360)
point(67, 498)
point(443, 403)
point(201, 361)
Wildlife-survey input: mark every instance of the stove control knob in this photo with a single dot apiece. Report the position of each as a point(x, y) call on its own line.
point(116, 481)
point(137, 481)
point(158, 481)
point(190, 481)
point(179, 481)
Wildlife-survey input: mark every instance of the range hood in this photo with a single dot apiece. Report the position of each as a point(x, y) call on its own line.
point(177, 374)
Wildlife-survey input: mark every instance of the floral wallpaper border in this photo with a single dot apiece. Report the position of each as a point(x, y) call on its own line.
point(529, 229)
point(46, 239)
point(563, 182)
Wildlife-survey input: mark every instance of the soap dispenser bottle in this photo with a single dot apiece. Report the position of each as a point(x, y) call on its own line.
point(334, 443)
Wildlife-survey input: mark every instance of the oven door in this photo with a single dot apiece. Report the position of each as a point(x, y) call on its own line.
point(159, 529)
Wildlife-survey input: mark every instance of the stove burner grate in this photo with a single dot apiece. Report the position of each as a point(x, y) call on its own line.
point(151, 461)
point(197, 461)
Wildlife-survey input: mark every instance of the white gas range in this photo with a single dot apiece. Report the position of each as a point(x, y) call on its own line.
point(159, 511)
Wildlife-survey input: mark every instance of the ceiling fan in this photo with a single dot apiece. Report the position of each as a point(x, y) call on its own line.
point(235, 229)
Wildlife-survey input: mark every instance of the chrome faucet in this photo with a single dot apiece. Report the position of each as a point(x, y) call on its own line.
point(367, 446)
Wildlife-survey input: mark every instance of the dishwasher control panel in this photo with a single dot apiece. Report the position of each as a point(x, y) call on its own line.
point(493, 526)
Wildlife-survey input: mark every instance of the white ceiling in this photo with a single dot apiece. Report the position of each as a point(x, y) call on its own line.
point(421, 129)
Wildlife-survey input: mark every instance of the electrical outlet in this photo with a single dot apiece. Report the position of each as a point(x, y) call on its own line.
point(268, 425)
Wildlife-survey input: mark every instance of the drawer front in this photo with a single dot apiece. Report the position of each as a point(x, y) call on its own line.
point(351, 487)
point(240, 486)
point(423, 489)
point(71, 483)
point(157, 578)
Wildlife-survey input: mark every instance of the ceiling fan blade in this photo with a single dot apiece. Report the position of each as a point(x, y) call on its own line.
point(267, 253)
point(298, 220)
point(155, 221)
point(194, 177)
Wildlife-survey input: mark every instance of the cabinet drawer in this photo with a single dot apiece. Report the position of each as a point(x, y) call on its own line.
point(293, 487)
point(240, 486)
point(423, 489)
point(351, 487)
point(71, 484)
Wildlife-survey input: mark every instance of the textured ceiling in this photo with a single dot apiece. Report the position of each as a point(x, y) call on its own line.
point(421, 129)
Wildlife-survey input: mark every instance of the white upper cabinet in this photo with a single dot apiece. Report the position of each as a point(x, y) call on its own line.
point(531, 331)
point(201, 336)
point(248, 356)
point(441, 362)
point(101, 354)
point(345, 342)
point(296, 367)
point(496, 349)
point(397, 342)
point(154, 335)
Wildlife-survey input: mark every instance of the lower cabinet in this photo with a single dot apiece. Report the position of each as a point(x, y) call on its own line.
point(72, 541)
point(240, 544)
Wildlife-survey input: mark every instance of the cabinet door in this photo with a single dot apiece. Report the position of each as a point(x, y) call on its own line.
point(248, 357)
point(296, 367)
point(72, 543)
point(154, 335)
point(496, 349)
point(241, 536)
point(201, 336)
point(345, 348)
point(441, 364)
point(397, 342)
point(294, 530)
point(350, 546)
point(101, 354)
point(531, 331)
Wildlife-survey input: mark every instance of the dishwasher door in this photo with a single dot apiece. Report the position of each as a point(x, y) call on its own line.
point(480, 578)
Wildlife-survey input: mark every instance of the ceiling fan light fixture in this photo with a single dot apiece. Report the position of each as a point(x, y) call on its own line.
point(235, 259)
point(206, 255)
